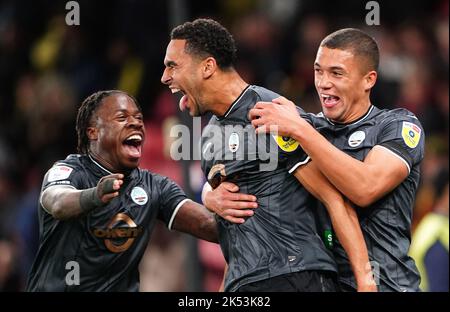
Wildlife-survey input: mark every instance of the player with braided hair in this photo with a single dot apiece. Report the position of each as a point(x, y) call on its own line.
point(98, 209)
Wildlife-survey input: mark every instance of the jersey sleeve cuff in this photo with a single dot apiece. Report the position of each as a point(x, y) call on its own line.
point(298, 164)
point(172, 218)
point(398, 155)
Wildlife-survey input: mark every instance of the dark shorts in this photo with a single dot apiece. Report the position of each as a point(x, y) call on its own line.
point(304, 281)
point(343, 287)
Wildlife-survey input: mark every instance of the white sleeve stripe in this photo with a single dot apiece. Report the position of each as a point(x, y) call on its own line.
point(52, 186)
point(398, 156)
point(299, 164)
point(181, 203)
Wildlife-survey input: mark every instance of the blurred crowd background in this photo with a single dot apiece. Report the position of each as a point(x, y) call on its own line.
point(47, 68)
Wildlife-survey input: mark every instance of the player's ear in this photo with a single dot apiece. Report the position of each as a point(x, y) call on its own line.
point(92, 133)
point(370, 79)
point(209, 67)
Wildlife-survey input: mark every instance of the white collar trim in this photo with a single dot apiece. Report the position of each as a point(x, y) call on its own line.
point(101, 167)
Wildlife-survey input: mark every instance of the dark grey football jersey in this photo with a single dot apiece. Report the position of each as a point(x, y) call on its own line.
point(281, 237)
point(106, 244)
point(386, 224)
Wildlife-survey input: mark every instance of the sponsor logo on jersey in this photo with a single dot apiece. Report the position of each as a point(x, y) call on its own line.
point(411, 134)
point(119, 234)
point(139, 196)
point(59, 173)
point(356, 138)
point(233, 142)
point(287, 144)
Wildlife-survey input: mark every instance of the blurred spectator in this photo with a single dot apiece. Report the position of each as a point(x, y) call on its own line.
point(10, 278)
point(430, 241)
point(162, 267)
point(213, 264)
point(47, 68)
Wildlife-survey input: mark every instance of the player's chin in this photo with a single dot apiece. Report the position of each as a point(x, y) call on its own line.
point(330, 112)
point(130, 163)
point(192, 110)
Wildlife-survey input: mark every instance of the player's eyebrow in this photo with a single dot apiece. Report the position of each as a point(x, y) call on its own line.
point(339, 68)
point(125, 111)
point(170, 63)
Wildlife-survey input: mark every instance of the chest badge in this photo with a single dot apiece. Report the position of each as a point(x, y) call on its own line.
point(233, 142)
point(356, 138)
point(139, 196)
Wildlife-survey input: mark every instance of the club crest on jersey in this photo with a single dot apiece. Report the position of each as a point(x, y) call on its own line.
point(287, 144)
point(233, 142)
point(59, 173)
point(139, 196)
point(356, 138)
point(411, 134)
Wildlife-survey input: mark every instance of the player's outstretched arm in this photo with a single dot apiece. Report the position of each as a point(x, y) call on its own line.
point(64, 202)
point(345, 223)
point(361, 182)
point(228, 203)
point(195, 219)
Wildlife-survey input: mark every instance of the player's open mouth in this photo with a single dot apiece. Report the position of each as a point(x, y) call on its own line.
point(133, 145)
point(329, 101)
point(184, 99)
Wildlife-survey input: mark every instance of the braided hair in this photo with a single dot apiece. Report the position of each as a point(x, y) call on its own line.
point(85, 113)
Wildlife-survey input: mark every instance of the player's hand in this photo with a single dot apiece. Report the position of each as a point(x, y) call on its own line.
point(367, 284)
point(108, 187)
point(367, 288)
point(229, 204)
point(279, 116)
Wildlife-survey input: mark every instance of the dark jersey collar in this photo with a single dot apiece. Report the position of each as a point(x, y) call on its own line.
point(102, 171)
point(233, 104)
point(98, 166)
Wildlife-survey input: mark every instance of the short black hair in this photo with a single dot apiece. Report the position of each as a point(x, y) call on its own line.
point(206, 37)
point(86, 111)
point(358, 42)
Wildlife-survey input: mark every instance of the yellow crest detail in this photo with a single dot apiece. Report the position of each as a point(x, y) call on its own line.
point(286, 144)
point(411, 134)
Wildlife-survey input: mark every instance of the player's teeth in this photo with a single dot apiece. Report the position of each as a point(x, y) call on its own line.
point(174, 90)
point(135, 137)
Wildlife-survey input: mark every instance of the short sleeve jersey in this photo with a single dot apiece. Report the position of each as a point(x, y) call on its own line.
point(386, 224)
point(281, 237)
point(106, 244)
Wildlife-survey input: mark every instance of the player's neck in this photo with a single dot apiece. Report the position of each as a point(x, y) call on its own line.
point(224, 91)
point(361, 109)
point(105, 163)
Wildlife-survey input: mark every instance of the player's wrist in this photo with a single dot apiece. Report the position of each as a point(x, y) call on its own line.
point(207, 189)
point(89, 200)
